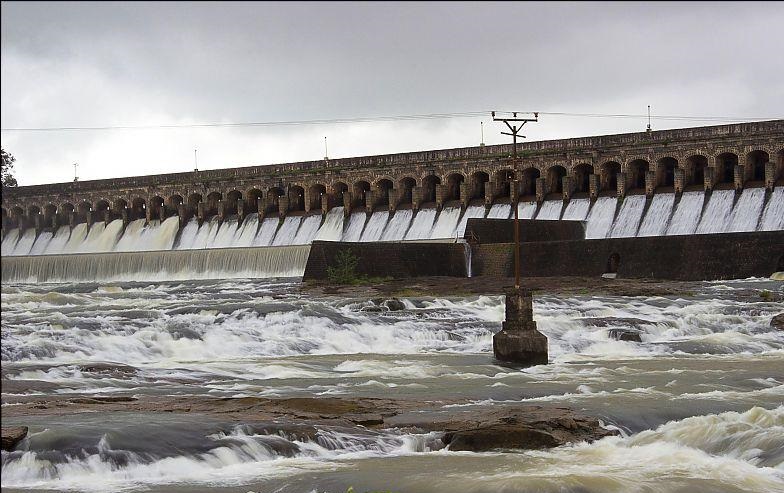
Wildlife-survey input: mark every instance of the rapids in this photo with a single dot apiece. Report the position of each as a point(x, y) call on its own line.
point(698, 402)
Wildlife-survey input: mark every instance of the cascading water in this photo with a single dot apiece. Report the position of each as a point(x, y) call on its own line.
point(77, 238)
point(550, 210)
point(600, 218)
point(332, 229)
point(577, 210)
point(687, 214)
point(356, 223)
point(225, 237)
point(25, 243)
point(39, 247)
point(746, 213)
point(446, 223)
point(629, 217)
point(525, 210)
point(267, 231)
point(398, 225)
point(375, 226)
point(658, 215)
point(472, 212)
point(57, 244)
point(307, 230)
point(287, 231)
point(500, 211)
point(248, 231)
point(773, 217)
point(716, 217)
point(9, 242)
point(422, 225)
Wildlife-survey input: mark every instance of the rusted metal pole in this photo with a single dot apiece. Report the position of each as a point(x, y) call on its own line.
point(516, 216)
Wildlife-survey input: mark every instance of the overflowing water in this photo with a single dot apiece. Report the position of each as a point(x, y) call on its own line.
point(446, 224)
point(550, 210)
point(698, 401)
point(658, 215)
point(715, 219)
point(422, 225)
point(600, 219)
point(398, 226)
point(629, 217)
point(687, 214)
point(375, 226)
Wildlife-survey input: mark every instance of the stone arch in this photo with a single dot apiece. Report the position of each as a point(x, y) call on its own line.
point(101, 208)
point(478, 184)
point(755, 165)
point(252, 198)
point(608, 176)
point(503, 180)
point(174, 201)
point(453, 182)
point(64, 212)
point(212, 201)
point(296, 198)
point(194, 200)
point(406, 185)
point(429, 183)
point(316, 195)
point(694, 170)
point(779, 166)
point(157, 208)
point(119, 205)
point(32, 211)
point(18, 215)
point(725, 167)
point(50, 213)
point(582, 173)
point(233, 198)
point(273, 198)
point(383, 186)
point(665, 171)
point(361, 188)
point(339, 189)
point(528, 181)
point(555, 176)
point(635, 174)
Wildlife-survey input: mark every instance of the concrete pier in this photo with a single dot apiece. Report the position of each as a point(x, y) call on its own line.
point(519, 341)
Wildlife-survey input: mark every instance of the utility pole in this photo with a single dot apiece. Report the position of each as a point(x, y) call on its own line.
point(76, 178)
point(515, 127)
point(326, 153)
point(649, 119)
point(195, 161)
point(482, 130)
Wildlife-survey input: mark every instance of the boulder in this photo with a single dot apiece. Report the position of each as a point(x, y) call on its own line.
point(394, 305)
point(777, 322)
point(12, 436)
point(625, 335)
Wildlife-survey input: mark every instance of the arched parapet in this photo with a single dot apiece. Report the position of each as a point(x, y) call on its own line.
point(276, 199)
point(636, 170)
point(296, 199)
point(453, 187)
point(478, 182)
point(339, 195)
point(726, 160)
point(384, 193)
point(527, 181)
point(156, 208)
point(666, 167)
point(756, 160)
point(65, 213)
point(554, 179)
point(233, 204)
point(316, 195)
point(254, 201)
point(581, 176)
point(406, 186)
point(360, 191)
point(694, 167)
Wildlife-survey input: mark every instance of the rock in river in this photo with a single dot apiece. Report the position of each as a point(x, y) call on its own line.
point(12, 436)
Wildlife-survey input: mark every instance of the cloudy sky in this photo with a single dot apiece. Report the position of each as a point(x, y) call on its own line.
point(136, 64)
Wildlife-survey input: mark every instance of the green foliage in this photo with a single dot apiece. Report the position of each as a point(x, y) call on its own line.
point(344, 270)
point(7, 169)
point(766, 295)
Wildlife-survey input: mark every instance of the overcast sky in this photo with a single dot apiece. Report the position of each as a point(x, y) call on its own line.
point(103, 64)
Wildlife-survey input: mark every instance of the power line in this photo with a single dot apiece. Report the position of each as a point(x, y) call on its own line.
point(373, 119)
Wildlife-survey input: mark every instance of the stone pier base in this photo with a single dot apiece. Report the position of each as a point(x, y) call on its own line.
point(519, 341)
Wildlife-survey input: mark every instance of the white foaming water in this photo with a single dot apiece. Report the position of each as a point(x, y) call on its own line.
point(307, 230)
point(687, 215)
point(188, 235)
point(57, 244)
point(446, 224)
point(78, 235)
point(422, 225)
point(39, 247)
point(500, 211)
point(104, 238)
point(205, 234)
point(717, 212)
point(9, 241)
point(248, 232)
point(226, 234)
point(356, 223)
point(773, 217)
point(375, 226)
point(266, 232)
point(629, 217)
point(550, 210)
point(25, 243)
point(332, 229)
point(746, 213)
point(658, 215)
point(600, 218)
point(287, 231)
point(526, 210)
point(398, 225)
point(577, 210)
point(473, 212)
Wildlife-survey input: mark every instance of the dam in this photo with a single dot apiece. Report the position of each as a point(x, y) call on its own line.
point(259, 221)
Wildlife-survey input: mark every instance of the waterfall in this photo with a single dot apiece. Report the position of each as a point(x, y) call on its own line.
point(332, 229)
point(446, 223)
point(39, 247)
point(550, 210)
point(600, 219)
point(25, 243)
point(422, 225)
point(375, 226)
point(169, 265)
point(248, 231)
point(468, 253)
point(307, 230)
point(577, 210)
point(629, 217)
point(473, 212)
point(525, 210)
point(9, 242)
point(746, 213)
point(356, 223)
point(773, 217)
point(188, 235)
point(398, 225)
point(225, 235)
point(267, 231)
point(287, 231)
point(655, 221)
point(78, 235)
point(717, 212)
point(687, 215)
point(58, 241)
point(500, 211)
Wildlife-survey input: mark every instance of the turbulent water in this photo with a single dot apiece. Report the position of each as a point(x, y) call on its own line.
point(699, 401)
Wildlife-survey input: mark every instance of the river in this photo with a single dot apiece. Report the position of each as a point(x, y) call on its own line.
point(698, 403)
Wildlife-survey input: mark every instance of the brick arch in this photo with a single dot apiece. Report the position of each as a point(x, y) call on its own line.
point(694, 166)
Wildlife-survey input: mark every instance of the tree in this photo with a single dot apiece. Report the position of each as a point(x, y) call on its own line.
point(7, 170)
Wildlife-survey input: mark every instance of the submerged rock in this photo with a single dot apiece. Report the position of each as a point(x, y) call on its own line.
point(12, 436)
point(777, 322)
point(625, 335)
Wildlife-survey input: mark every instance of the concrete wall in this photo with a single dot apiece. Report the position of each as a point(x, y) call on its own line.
point(693, 257)
point(484, 231)
point(398, 260)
